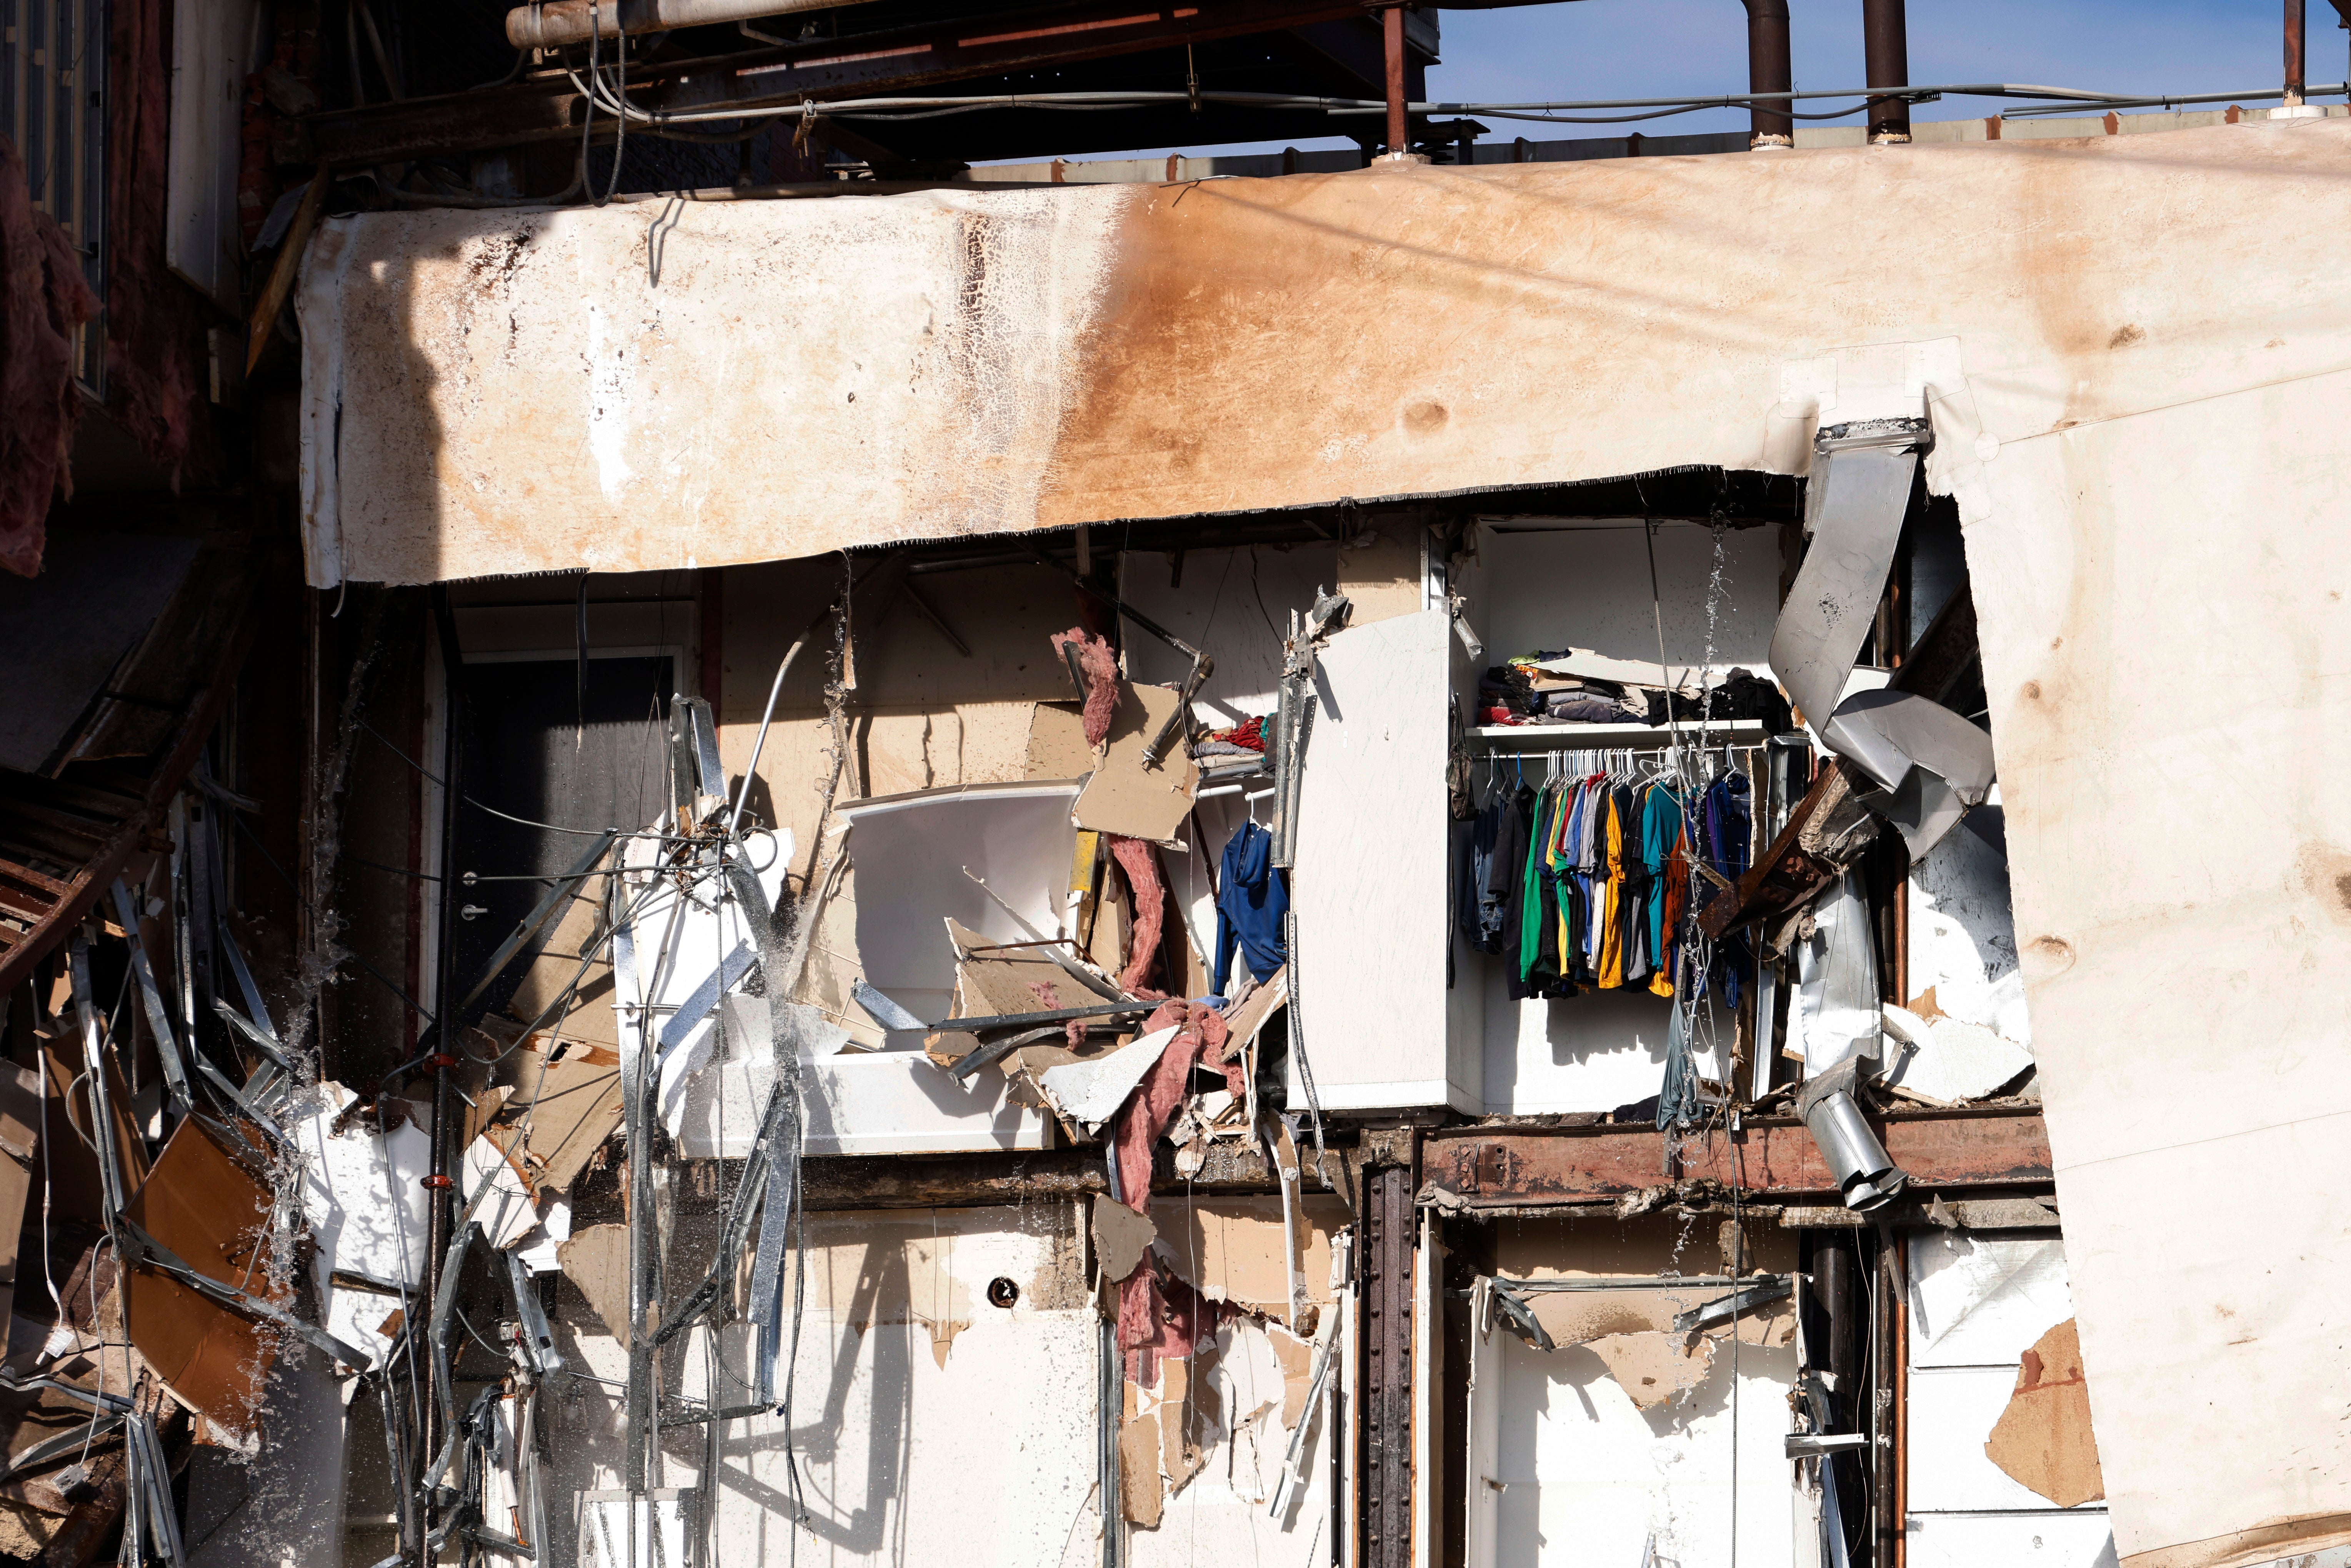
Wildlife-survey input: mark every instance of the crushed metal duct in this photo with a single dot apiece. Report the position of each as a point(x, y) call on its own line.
point(1837, 997)
point(562, 22)
point(1918, 765)
point(1864, 1172)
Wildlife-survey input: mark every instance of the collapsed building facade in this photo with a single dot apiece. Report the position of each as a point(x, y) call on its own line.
point(1454, 857)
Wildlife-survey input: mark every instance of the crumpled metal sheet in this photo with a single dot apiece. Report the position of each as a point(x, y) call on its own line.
point(1927, 764)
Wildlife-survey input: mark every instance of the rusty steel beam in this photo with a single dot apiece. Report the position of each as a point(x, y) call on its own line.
point(772, 80)
point(1772, 1159)
point(1384, 1375)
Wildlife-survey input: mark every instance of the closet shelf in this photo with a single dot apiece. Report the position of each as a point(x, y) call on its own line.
point(1580, 736)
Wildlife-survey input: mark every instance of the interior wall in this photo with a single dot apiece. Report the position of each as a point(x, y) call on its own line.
point(928, 1424)
point(1373, 852)
point(1584, 583)
point(922, 713)
point(1564, 1465)
point(1235, 605)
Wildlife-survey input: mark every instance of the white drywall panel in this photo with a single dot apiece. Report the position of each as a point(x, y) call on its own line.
point(1586, 1476)
point(1370, 883)
point(2021, 1539)
point(854, 1102)
point(1962, 932)
point(1982, 1300)
point(1952, 1412)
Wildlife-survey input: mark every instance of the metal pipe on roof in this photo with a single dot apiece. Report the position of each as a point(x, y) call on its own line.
point(1392, 33)
point(1769, 68)
point(558, 22)
point(1885, 45)
point(2294, 53)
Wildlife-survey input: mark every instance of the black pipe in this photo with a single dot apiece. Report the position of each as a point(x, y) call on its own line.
point(1885, 42)
point(1769, 68)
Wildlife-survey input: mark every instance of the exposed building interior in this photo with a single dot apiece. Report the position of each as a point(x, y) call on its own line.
point(1035, 784)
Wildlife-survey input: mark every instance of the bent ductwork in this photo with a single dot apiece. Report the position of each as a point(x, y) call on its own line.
point(1837, 994)
point(1865, 1174)
point(1917, 765)
point(561, 22)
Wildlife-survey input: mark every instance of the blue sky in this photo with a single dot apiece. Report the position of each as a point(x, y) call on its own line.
point(1646, 48)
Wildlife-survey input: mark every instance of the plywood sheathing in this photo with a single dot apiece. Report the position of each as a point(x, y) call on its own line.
point(2043, 1439)
point(1128, 797)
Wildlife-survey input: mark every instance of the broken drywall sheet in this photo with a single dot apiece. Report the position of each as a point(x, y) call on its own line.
point(596, 1259)
point(856, 1102)
point(1090, 1092)
point(1579, 1317)
point(1654, 1368)
point(369, 1213)
point(1121, 1238)
point(1057, 742)
point(494, 1191)
point(1141, 1490)
point(1131, 797)
point(1975, 1300)
point(2043, 1439)
point(1234, 1249)
point(1946, 1060)
point(569, 1097)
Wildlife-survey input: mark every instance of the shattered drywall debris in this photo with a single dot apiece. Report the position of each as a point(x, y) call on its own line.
point(1654, 1368)
point(497, 1194)
point(1141, 1492)
point(2044, 1440)
point(1092, 1092)
point(569, 1098)
point(1943, 1060)
point(1121, 1237)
